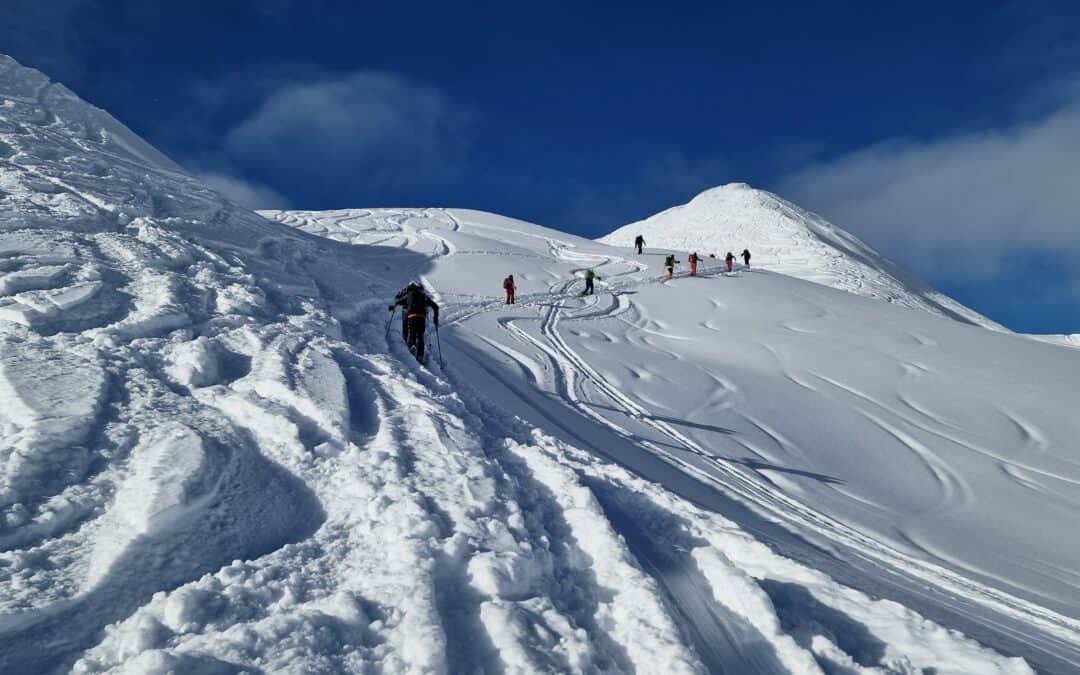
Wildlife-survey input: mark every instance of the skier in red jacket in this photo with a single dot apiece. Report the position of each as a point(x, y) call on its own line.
point(693, 259)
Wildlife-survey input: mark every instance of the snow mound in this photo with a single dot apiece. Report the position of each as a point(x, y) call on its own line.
point(785, 238)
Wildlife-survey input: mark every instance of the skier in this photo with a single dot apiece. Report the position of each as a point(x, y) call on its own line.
point(729, 259)
point(639, 242)
point(508, 284)
point(746, 257)
point(669, 265)
point(693, 259)
point(589, 276)
point(415, 302)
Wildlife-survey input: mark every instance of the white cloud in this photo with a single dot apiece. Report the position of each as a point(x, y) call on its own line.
point(368, 129)
point(967, 203)
point(247, 193)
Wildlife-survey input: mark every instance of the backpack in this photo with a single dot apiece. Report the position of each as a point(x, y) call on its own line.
point(416, 301)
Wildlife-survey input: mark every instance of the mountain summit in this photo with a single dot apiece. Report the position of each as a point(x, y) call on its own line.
point(785, 238)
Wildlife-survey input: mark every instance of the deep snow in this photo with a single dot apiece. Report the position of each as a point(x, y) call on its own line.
point(217, 458)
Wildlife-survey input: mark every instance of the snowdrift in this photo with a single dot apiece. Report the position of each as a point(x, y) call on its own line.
point(217, 456)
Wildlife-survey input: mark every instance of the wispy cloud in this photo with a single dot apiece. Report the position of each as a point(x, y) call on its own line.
point(245, 192)
point(371, 131)
point(965, 203)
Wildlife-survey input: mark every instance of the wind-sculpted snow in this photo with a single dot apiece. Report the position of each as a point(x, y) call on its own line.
point(787, 239)
point(217, 456)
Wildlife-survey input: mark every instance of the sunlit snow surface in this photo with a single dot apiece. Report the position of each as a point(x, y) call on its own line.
point(217, 456)
point(787, 239)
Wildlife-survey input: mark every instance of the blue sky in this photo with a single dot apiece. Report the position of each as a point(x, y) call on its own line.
point(945, 134)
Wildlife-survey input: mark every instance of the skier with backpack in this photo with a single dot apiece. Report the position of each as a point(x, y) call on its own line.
point(639, 242)
point(669, 264)
point(694, 259)
point(508, 285)
point(730, 260)
point(590, 275)
point(746, 257)
point(415, 303)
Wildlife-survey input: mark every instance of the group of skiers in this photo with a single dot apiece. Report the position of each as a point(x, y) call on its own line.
point(694, 259)
point(415, 301)
point(729, 261)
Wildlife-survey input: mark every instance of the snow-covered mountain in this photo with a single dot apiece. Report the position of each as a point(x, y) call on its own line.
point(1067, 340)
point(787, 239)
point(217, 456)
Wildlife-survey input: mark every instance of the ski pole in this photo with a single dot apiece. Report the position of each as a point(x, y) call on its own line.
point(393, 308)
point(438, 341)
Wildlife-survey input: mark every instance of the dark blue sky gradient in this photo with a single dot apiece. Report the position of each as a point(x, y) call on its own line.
point(582, 116)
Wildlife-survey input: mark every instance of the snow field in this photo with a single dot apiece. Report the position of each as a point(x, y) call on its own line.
point(640, 359)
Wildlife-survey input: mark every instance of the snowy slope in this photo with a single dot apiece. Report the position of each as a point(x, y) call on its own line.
point(922, 444)
point(1069, 340)
point(215, 457)
point(790, 240)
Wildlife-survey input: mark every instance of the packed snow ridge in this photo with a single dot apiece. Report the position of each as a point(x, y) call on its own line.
point(217, 456)
point(790, 240)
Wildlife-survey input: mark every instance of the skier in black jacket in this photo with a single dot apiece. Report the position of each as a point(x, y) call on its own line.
point(669, 264)
point(746, 257)
point(415, 302)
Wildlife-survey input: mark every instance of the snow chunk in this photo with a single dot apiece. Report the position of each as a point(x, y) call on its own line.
point(168, 478)
point(49, 402)
point(194, 363)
